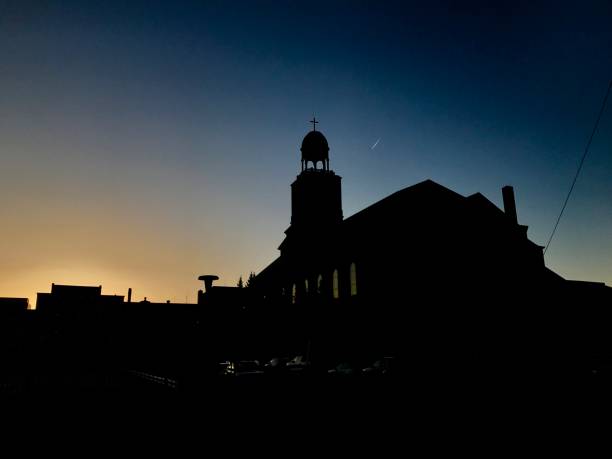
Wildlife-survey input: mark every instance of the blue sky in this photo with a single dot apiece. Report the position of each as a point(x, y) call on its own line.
point(145, 143)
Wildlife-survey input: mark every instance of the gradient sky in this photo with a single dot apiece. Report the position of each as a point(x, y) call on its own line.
point(144, 143)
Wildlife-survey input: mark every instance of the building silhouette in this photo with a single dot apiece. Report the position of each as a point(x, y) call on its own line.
point(13, 306)
point(425, 273)
point(75, 299)
point(423, 234)
point(442, 288)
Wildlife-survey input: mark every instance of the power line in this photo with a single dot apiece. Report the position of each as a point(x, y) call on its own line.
point(586, 151)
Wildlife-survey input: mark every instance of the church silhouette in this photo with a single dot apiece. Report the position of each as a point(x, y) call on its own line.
point(426, 275)
point(425, 285)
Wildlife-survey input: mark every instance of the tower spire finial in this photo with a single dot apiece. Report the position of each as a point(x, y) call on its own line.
point(314, 123)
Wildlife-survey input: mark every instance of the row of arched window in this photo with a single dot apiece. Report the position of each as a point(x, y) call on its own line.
point(335, 284)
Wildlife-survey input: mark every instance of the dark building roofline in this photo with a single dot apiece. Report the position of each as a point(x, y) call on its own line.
point(428, 184)
point(59, 288)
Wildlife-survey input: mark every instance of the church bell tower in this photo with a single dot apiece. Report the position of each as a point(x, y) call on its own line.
point(316, 200)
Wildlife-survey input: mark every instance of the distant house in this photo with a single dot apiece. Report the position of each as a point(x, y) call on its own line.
point(12, 306)
point(73, 299)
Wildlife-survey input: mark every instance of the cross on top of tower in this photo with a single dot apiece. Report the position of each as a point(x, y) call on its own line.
point(314, 123)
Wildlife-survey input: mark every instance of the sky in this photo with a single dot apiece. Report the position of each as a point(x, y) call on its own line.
point(144, 143)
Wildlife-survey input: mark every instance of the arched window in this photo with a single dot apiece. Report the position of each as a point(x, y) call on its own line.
point(306, 285)
point(320, 284)
point(293, 293)
point(353, 279)
point(336, 287)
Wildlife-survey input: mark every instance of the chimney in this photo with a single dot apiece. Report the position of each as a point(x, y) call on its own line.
point(509, 204)
point(129, 295)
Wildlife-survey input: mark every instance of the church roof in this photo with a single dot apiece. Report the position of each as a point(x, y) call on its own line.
point(315, 147)
point(430, 205)
point(420, 194)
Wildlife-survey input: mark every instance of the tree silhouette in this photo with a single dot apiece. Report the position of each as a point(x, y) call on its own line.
point(249, 282)
point(240, 283)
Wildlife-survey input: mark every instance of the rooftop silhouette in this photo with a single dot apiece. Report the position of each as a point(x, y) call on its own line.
point(421, 284)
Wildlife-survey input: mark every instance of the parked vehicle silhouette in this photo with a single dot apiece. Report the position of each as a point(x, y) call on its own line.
point(382, 366)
